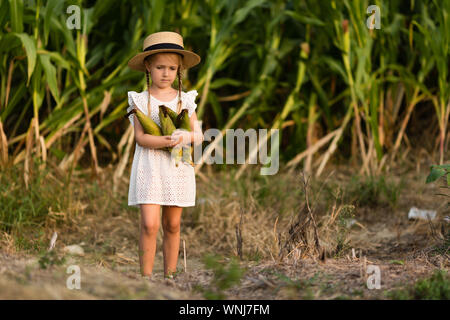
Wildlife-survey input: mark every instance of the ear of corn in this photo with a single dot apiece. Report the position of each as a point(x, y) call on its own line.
point(149, 126)
point(186, 155)
point(177, 154)
point(168, 128)
point(173, 115)
point(167, 125)
point(183, 122)
point(166, 117)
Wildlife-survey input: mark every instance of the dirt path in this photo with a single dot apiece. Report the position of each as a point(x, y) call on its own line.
point(22, 278)
point(399, 257)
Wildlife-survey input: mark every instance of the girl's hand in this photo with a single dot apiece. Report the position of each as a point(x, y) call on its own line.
point(170, 142)
point(184, 135)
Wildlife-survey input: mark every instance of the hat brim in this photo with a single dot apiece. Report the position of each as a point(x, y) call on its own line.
point(190, 59)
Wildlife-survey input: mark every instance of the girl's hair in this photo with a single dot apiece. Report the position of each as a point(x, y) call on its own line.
point(150, 59)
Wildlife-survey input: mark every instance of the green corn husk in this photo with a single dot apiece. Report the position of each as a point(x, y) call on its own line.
point(167, 125)
point(168, 128)
point(149, 126)
point(173, 116)
point(183, 122)
point(186, 155)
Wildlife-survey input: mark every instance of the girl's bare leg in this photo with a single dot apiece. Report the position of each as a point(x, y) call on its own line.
point(171, 219)
point(147, 241)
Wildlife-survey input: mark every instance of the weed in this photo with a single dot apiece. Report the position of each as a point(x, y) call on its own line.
point(24, 207)
point(225, 275)
point(50, 258)
point(374, 191)
point(438, 172)
point(436, 287)
point(357, 292)
point(327, 288)
point(441, 172)
point(35, 243)
point(107, 248)
point(345, 215)
point(299, 286)
point(443, 247)
point(255, 255)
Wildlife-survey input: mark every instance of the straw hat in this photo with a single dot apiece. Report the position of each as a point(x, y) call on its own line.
point(164, 41)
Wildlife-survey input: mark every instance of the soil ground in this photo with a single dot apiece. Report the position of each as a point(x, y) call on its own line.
point(402, 250)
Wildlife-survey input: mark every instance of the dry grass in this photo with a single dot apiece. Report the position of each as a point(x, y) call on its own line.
point(100, 221)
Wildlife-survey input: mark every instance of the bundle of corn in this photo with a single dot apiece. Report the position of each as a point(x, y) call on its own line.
point(170, 121)
point(168, 127)
point(183, 122)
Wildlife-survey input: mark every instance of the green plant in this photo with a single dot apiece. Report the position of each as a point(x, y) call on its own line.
point(30, 241)
point(374, 191)
point(349, 76)
point(50, 258)
point(225, 275)
point(26, 205)
point(357, 292)
point(302, 286)
point(255, 255)
point(443, 247)
point(435, 287)
point(437, 40)
point(439, 171)
point(343, 229)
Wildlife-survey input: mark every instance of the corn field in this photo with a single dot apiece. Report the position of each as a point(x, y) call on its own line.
point(312, 69)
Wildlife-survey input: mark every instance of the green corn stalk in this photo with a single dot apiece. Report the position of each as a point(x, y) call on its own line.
point(288, 106)
point(75, 80)
point(81, 45)
point(354, 99)
point(269, 66)
point(436, 47)
point(222, 42)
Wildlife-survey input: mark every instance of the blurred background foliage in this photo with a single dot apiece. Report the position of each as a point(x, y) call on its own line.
point(312, 69)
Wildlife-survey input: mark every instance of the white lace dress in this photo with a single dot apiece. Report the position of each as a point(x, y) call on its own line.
point(154, 177)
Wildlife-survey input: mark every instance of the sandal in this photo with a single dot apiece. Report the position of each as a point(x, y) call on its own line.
point(148, 278)
point(172, 274)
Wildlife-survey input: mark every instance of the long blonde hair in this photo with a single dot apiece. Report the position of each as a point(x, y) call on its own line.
point(150, 59)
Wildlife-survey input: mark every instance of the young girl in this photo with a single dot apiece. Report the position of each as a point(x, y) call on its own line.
point(155, 180)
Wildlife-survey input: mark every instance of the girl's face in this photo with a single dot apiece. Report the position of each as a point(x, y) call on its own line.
point(163, 69)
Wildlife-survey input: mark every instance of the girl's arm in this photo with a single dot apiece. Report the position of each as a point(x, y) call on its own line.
point(150, 141)
point(193, 137)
